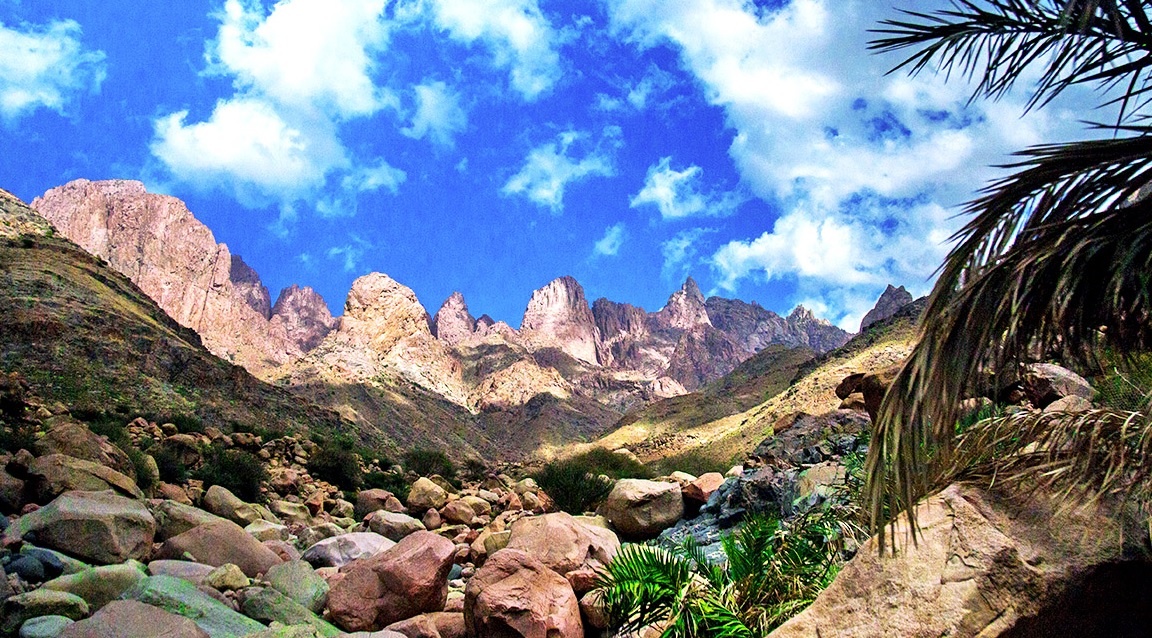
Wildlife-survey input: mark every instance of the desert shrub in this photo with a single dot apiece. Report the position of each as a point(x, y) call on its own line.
point(187, 423)
point(240, 472)
point(172, 470)
point(17, 436)
point(390, 481)
point(340, 467)
point(427, 462)
point(144, 478)
point(577, 483)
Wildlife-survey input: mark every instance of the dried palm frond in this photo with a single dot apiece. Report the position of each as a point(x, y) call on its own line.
point(1057, 255)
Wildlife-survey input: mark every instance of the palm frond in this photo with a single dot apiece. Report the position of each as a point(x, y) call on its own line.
point(644, 586)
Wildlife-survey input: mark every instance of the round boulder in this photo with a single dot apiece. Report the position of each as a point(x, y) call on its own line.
point(642, 509)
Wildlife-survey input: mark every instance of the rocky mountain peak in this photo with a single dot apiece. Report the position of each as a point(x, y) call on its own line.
point(800, 314)
point(891, 300)
point(685, 308)
point(384, 311)
point(453, 323)
point(558, 315)
point(304, 316)
point(248, 285)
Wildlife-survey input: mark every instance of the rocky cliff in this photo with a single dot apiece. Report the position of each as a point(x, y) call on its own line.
point(304, 316)
point(890, 301)
point(453, 323)
point(558, 316)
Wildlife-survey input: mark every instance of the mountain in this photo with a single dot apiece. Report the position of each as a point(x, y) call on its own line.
point(84, 335)
point(157, 243)
point(889, 303)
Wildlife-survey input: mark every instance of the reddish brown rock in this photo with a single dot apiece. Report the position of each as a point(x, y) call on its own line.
point(890, 301)
point(453, 323)
point(514, 595)
point(438, 624)
point(458, 512)
point(74, 439)
point(874, 385)
point(558, 316)
point(132, 619)
point(406, 580)
point(217, 543)
point(368, 501)
point(304, 316)
point(703, 487)
point(564, 544)
point(642, 509)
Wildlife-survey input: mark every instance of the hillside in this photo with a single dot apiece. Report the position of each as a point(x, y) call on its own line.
point(719, 425)
point(85, 336)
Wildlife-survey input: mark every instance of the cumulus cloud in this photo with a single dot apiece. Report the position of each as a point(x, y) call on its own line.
point(860, 165)
point(438, 114)
point(516, 32)
point(609, 244)
point(45, 66)
point(349, 255)
point(677, 194)
point(681, 252)
point(365, 179)
point(551, 167)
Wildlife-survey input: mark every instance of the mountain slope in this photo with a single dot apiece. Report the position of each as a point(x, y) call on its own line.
point(84, 335)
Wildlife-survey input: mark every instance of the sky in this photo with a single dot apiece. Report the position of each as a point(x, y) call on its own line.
point(490, 146)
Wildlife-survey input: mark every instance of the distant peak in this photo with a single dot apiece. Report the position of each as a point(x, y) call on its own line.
point(890, 301)
point(691, 288)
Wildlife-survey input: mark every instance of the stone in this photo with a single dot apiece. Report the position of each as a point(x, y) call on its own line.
point(342, 509)
point(642, 509)
point(562, 543)
point(217, 543)
point(514, 595)
point(226, 577)
point(393, 526)
point(496, 541)
point(190, 571)
point(29, 569)
point(1044, 383)
point(304, 316)
point(453, 323)
point(99, 585)
point(458, 512)
point(285, 550)
point(480, 506)
point(338, 551)
point(317, 533)
point(133, 619)
point(100, 527)
point(849, 385)
point(298, 581)
point(174, 518)
point(44, 626)
point(593, 610)
point(1071, 403)
point(55, 563)
point(992, 563)
point(184, 599)
point(266, 531)
point(425, 494)
point(74, 439)
point(432, 520)
point(700, 489)
point(874, 385)
point(437, 624)
point(268, 605)
point(292, 513)
point(221, 502)
point(39, 602)
point(408, 579)
point(818, 481)
point(53, 474)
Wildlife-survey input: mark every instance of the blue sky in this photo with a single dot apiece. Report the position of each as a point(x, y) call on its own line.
point(489, 146)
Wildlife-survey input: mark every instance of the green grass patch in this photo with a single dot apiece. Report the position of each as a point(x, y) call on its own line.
point(577, 483)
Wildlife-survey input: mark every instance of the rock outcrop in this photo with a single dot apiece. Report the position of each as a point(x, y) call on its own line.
point(685, 309)
point(453, 323)
point(156, 242)
point(303, 316)
point(753, 328)
point(558, 316)
point(890, 301)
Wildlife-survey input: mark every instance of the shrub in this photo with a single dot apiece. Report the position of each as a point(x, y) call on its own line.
point(390, 481)
point(575, 483)
point(172, 470)
point(428, 462)
point(238, 471)
point(1126, 385)
point(340, 467)
point(144, 478)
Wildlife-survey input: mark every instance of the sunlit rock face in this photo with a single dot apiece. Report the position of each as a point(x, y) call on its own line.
point(558, 315)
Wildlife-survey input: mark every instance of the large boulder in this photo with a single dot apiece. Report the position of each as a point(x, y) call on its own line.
point(437, 624)
point(368, 501)
point(392, 525)
point(642, 509)
point(217, 543)
point(564, 544)
point(298, 581)
point(223, 503)
point(99, 527)
point(53, 474)
point(39, 602)
point(340, 550)
point(874, 385)
point(133, 619)
point(99, 585)
point(268, 605)
point(700, 489)
point(409, 579)
point(992, 564)
point(1044, 383)
point(426, 494)
point(76, 440)
point(182, 598)
point(174, 518)
point(514, 595)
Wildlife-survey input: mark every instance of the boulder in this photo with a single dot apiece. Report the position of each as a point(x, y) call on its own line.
point(368, 501)
point(849, 385)
point(317, 533)
point(174, 518)
point(562, 543)
point(437, 624)
point(1044, 383)
point(458, 513)
point(393, 526)
point(74, 439)
point(182, 598)
point(425, 494)
point(100, 527)
point(874, 385)
point(45, 626)
point(642, 509)
point(298, 581)
point(515, 595)
point(217, 543)
point(99, 585)
point(225, 504)
point(408, 579)
point(39, 602)
point(133, 619)
point(268, 605)
point(700, 489)
point(292, 513)
point(266, 531)
point(340, 550)
point(227, 577)
point(989, 563)
point(192, 572)
point(479, 505)
point(53, 474)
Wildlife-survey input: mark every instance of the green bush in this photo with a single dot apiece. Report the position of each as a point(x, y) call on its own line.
point(238, 471)
point(340, 467)
point(428, 462)
point(144, 478)
point(575, 483)
point(172, 470)
point(390, 481)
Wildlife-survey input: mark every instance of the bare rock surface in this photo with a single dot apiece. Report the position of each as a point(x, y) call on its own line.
point(513, 595)
point(304, 316)
point(890, 301)
point(558, 315)
point(453, 323)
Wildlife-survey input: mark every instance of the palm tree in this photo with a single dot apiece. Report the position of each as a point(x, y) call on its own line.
point(1057, 257)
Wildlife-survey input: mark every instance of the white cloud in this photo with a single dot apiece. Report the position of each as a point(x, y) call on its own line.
point(681, 252)
point(516, 31)
point(549, 168)
point(306, 53)
point(45, 67)
point(349, 254)
point(860, 165)
point(655, 81)
point(365, 179)
point(438, 114)
point(609, 244)
point(676, 194)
